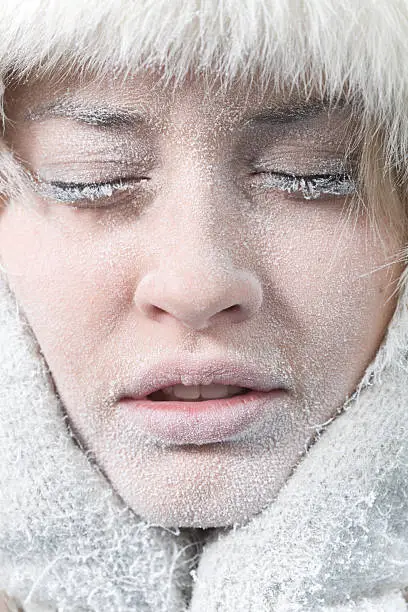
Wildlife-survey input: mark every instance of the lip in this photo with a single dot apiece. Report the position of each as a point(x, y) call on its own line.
point(194, 372)
point(202, 422)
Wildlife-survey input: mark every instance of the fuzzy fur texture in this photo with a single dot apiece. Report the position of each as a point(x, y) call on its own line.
point(66, 539)
point(334, 540)
point(336, 537)
point(332, 46)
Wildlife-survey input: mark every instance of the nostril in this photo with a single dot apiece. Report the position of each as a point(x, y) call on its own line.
point(232, 308)
point(196, 302)
point(152, 310)
point(157, 309)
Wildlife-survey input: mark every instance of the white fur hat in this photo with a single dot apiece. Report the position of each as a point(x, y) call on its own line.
point(355, 46)
point(61, 525)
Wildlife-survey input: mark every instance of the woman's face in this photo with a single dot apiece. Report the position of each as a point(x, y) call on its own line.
point(160, 244)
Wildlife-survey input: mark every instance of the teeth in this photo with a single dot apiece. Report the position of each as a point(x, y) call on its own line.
point(194, 392)
point(215, 391)
point(187, 393)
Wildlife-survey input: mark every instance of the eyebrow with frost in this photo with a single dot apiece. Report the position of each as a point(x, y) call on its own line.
point(111, 117)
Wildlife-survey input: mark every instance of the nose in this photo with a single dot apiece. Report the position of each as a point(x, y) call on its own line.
point(199, 301)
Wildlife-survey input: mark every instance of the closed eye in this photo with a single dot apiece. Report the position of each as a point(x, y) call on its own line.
point(311, 187)
point(71, 192)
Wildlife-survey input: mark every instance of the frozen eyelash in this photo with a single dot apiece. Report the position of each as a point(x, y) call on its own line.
point(311, 187)
point(71, 192)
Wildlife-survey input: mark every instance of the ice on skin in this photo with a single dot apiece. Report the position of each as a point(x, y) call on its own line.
point(116, 285)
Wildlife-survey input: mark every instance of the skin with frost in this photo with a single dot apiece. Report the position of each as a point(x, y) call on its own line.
point(117, 280)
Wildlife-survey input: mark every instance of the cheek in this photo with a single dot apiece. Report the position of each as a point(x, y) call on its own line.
point(71, 284)
point(323, 271)
point(76, 283)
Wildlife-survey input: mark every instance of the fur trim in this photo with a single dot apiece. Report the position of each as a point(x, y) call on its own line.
point(332, 45)
point(59, 537)
point(335, 539)
point(66, 537)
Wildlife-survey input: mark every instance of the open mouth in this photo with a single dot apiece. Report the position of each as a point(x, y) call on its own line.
point(196, 393)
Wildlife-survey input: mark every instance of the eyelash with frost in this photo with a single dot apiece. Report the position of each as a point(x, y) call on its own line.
point(71, 192)
point(311, 187)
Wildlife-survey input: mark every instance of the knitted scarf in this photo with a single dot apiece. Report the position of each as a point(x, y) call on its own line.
point(334, 539)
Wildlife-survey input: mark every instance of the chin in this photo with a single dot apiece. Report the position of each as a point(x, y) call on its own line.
point(199, 518)
point(213, 485)
point(195, 499)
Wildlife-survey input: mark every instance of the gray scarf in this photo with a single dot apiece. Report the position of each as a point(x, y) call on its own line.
point(334, 539)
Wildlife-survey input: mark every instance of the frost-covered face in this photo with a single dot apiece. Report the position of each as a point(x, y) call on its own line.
point(161, 240)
